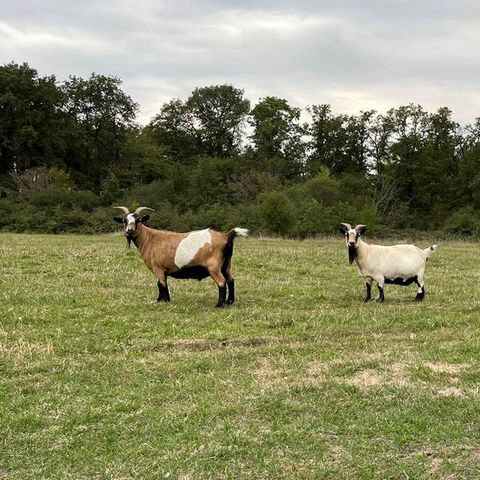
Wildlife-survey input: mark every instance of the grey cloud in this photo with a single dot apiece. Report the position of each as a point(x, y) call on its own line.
point(353, 54)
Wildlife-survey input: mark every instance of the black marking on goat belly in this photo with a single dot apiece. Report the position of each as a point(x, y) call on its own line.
point(401, 281)
point(197, 272)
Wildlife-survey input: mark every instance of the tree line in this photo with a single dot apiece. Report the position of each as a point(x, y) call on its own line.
point(71, 149)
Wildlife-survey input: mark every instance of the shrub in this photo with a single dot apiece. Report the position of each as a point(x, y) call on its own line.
point(53, 196)
point(363, 211)
point(314, 218)
point(277, 213)
point(324, 189)
point(465, 221)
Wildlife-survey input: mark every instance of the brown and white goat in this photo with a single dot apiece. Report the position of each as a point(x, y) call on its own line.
point(196, 254)
point(396, 264)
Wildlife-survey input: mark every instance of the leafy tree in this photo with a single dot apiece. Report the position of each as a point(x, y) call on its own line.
point(218, 113)
point(31, 126)
point(409, 139)
point(100, 115)
point(277, 213)
point(328, 140)
point(143, 160)
point(173, 129)
point(208, 123)
point(277, 137)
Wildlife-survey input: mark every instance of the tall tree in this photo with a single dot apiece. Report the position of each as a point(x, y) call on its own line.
point(277, 137)
point(173, 128)
point(100, 114)
point(409, 139)
point(31, 128)
point(328, 139)
point(219, 114)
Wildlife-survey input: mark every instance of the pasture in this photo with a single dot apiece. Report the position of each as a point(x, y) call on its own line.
point(299, 379)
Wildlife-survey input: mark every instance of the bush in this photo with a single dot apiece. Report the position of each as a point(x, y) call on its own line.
point(363, 211)
point(53, 196)
point(277, 213)
point(465, 221)
point(324, 189)
point(314, 218)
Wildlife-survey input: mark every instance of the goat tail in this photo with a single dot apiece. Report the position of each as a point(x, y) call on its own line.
point(238, 232)
point(428, 251)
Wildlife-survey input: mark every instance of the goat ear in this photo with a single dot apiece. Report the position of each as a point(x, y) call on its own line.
point(361, 229)
point(118, 219)
point(145, 218)
point(345, 227)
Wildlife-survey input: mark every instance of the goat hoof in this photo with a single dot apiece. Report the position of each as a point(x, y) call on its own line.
point(230, 302)
point(219, 305)
point(163, 300)
point(367, 299)
point(418, 299)
point(380, 300)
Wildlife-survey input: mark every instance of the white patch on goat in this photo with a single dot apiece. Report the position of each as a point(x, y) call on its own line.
point(190, 245)
point(130, 219)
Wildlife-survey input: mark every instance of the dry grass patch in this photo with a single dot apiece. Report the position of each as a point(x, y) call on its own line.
point(391, 375)
point(21, 349)
point(450, 368)
point(452, 392)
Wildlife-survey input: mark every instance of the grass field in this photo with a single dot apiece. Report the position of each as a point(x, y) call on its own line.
point(299, 379)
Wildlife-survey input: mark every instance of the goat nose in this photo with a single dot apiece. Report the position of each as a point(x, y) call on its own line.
point(352, 244)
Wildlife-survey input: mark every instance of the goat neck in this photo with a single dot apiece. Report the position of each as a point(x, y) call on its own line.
point(140, 236)
point(360, 251)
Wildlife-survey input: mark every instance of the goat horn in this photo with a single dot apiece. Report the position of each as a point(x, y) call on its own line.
point(124, 209)
point(139, 210)
point(346, 225)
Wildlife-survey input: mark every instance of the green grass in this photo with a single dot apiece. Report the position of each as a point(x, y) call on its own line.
point(299, 379)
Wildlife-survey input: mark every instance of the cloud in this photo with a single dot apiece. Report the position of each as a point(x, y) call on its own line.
point(354, 55)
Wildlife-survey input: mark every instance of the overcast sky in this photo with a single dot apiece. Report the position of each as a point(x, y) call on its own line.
point(353, 54)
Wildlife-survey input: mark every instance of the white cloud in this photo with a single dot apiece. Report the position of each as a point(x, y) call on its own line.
point(354, 55)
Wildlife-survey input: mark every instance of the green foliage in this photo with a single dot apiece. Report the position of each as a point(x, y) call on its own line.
point(324, 189)
point(31, 133)
point(71, 149)
point(277, 213)
point(99, 116)
point(314, 218)
point(277, 137)
point(55, 197)
point(362, 211)
point(219, 112)
point(464, 222)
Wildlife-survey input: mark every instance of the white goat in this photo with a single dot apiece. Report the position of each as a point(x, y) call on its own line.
point(397, 264)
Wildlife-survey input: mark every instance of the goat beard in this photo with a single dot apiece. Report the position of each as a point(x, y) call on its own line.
point(129, 240)
point(352, 253)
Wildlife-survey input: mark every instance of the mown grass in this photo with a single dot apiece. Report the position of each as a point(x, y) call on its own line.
point(299, 379)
